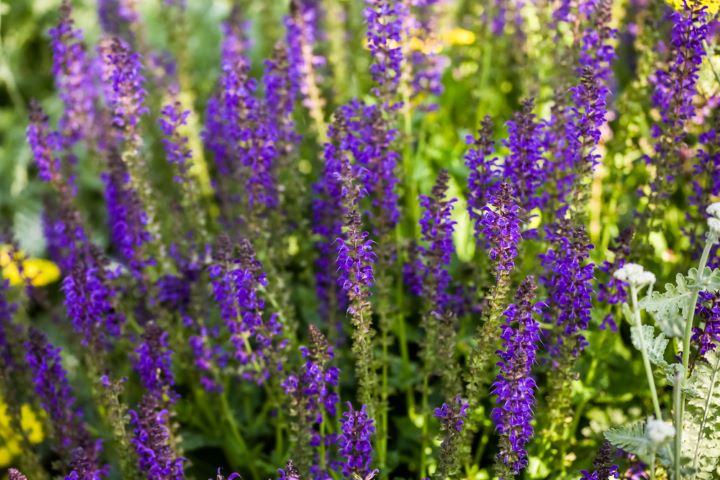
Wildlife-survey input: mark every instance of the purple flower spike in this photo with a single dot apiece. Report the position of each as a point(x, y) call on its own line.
point(523, 169)
point(437, 229)
point(156, 457)
point(385, 25)
point(355, 441)
point(72, 440)
point(514, 385)
point(568, 280)
point(501, 221)
point(176, 144)
point(72, 70)
point(154, 363)
point(124, 83)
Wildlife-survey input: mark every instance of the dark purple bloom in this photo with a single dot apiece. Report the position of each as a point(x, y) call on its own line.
point(482, 166)
point(156, 457)
point(385, 25)
point(313, 397)
point(72, 440)
point(500, 221)
point(568, 280)
point(8, 330)
point(327, 226)
point(355, 442)
point(452, 417)
point(604, 468)
point(524, 168)
point(256, 337)
point(89, 299)
point(363, 133)
point(675, 87)
point(437, 228)
point(126, 215)
point(707, 335)
point(153, 363)
point(514, 386)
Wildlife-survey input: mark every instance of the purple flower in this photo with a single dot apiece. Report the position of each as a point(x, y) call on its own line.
point(514, 385)
point(707, 335)
point(385, 25)
point(613, 291)
point(568, 280)
point(427, 64)
point(482, 166)
point(89, 299)
point(304, 63)
point(176, 145)
point(363, 133)
point(500, 221)
point(124, 84)
point(8, 330)
point(452, 416)
point(604, 468)
point(73, 77)
point(153, 363)
point(156, 457)
point(355, 441)
point(327, 216)
point(290, 472)
point(72, 440)
point(126, 215)
point(675, 87)
point(437, 228)
point(312, 395)
point(43, 144)
point(256, 339)
point(523, 169)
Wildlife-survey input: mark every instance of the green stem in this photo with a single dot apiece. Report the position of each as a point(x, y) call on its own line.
point(643, 351)
point(424, 439)
point(680, 408)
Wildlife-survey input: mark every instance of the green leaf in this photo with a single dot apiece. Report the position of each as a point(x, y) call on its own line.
point(632, 439)
point(701, 425)
point(670, 309)
point(655, 346)
point(708, 281)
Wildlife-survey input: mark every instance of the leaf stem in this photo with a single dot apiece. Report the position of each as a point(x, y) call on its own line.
point(643, 351)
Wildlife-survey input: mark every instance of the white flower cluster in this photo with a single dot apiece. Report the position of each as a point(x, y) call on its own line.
point(658, 431)
point(635, 275)
point(714, 221)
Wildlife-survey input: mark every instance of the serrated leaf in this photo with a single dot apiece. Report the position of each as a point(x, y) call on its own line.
point(708, 281)
point(632, 439)
point(655, 346)
point(670, 308)
point(701, 425)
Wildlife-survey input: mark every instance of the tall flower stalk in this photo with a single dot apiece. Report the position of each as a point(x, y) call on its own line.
point(514, 386)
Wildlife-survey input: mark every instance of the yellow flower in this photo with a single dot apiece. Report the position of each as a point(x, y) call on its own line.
point(40, 271)
point(10, 440)
point(458, 36)
point(712, 5)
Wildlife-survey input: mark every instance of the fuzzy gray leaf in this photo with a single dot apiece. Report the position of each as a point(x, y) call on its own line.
point(655, 346)
point(631, 438)
point(701, 426)
point(670, 309)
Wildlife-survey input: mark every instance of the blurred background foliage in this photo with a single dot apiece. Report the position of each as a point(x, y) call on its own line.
point(485, 75)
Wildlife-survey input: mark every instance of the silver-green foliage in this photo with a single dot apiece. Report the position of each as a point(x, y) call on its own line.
point(701, 426)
